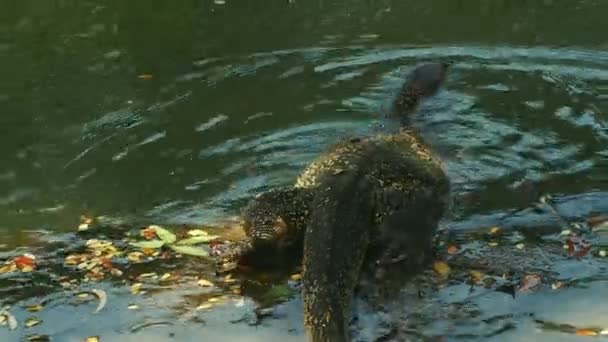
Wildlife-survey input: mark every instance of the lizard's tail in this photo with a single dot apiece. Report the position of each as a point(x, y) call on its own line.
point(334, 248)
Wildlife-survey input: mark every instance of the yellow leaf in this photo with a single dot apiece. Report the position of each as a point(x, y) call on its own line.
point(145, 77)
point(204, 283)
point(442, 268)
point(586, 332)
point(205, 306)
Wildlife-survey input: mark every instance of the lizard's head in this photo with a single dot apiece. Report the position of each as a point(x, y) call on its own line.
point(266, 220)
point(426, 79)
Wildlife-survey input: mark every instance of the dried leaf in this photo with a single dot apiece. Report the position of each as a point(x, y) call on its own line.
point(116, 272)
point(494, 230)
point(10, 319)
point(296, 277)
point(135, 256)
point(30, 322)
point(452, 249)
point(136, 288)
point(586, 332)
point(34, 308)
point(8, 268)
point(92, 339)
point(148, 244)
point(529, 281)
point(165, 276)
point(441, 268)
point(190, 250)
point(476, 276)
point(164, 234)
point(205, 306)
point(25, 261)
point(204, 283)
point(145, 77)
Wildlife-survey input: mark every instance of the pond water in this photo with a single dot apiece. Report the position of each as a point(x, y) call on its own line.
point(179, 113)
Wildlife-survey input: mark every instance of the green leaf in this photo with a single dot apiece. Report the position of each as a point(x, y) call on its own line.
point(190, 250)
point(196, 240)
point(148, 244)
point(164, 234)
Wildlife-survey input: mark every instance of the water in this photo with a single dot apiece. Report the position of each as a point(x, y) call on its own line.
point(180, 113)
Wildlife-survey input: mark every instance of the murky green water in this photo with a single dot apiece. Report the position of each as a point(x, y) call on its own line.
point(181, 112)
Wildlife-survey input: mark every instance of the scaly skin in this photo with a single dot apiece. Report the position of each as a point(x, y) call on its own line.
point(390, 195)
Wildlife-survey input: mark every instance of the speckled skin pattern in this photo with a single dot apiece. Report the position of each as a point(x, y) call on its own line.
point(387, 191)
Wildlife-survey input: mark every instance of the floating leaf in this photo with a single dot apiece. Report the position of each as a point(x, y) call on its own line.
point(92, 339)
point(8, 268)
point(452, 249)
point(30, 322)
point(442, 268)
point(133, 307)
point(136, 288)
point(164, 234)
point(37, 338)
point(205, 306)
point(296, 277)
point(476, 276)
point(196, 240)
point(25, 262)
point(519, 246)
point(529, 281)
point(34, 308)
point(586, 332)
point(145, 77)
point(603, 253)
point(204, 283)
point(148, 244)
point(190, 250)
point(103, 299)
point(494, 230)
point(10, 319)
point(135, 256)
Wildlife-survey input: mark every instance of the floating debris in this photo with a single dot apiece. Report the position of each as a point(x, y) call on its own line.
point(37, 338)
point(9, 319)
point(529, 282)
point(452, 249)
point(145, 77)
point(204, 306)
point(133, 307)
point(205, 283)
point(92, 339)
point(136, 288)
point(441, 268)
point(32, 321)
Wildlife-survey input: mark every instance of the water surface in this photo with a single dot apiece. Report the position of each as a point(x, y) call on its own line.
point(180, 113)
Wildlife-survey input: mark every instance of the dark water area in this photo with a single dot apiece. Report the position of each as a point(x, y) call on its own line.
point(179, 113)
